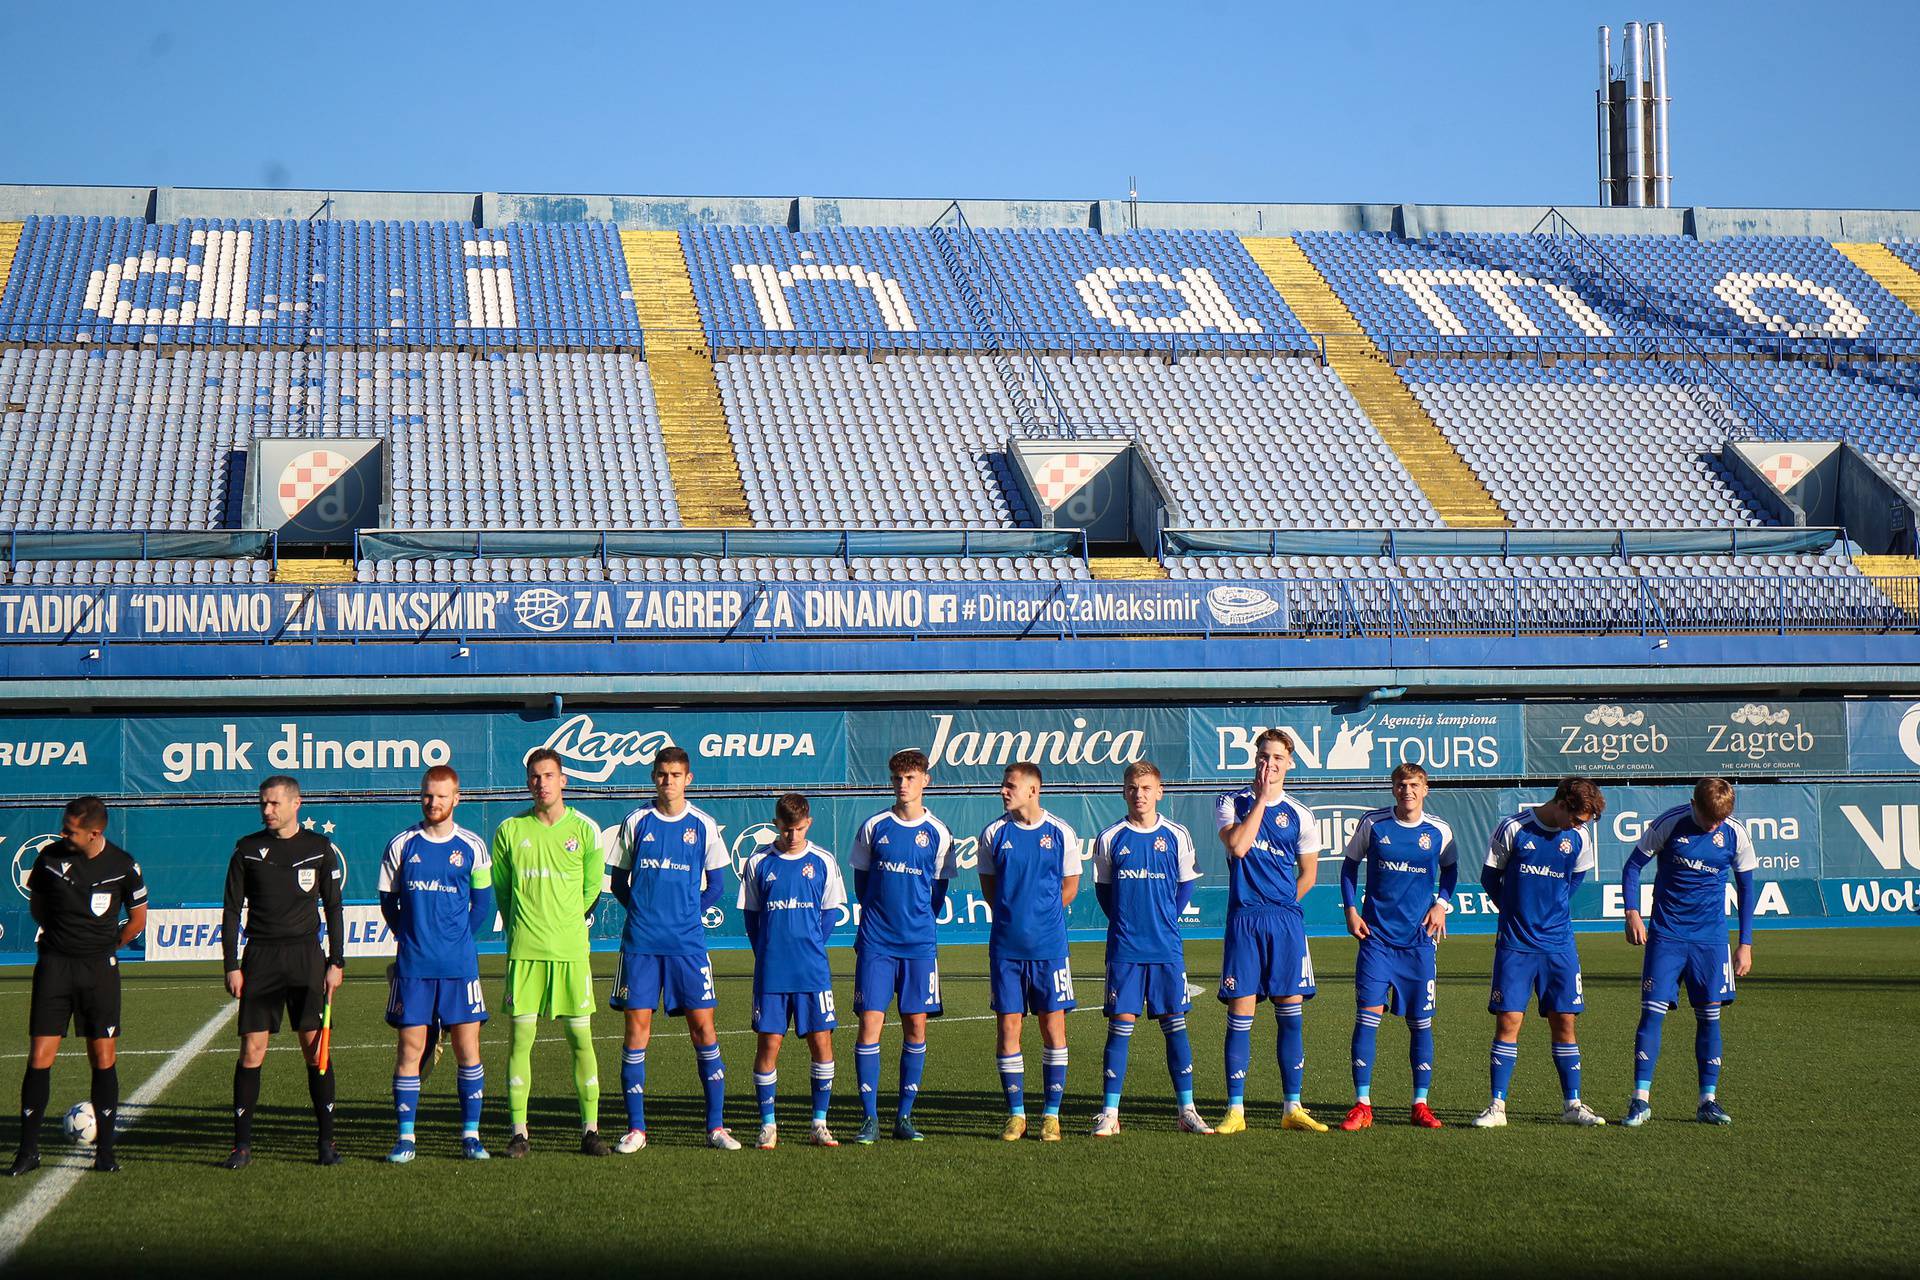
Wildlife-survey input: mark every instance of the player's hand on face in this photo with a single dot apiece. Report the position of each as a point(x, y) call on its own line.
point(334, 975)
point(1356, 926)
point(1436, 922)
point(235, 983)
point(1743, 960)
point(1636, 929)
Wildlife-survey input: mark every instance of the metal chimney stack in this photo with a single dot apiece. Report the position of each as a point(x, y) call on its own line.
point(1636, 60)
point(1662, 175)
point(1603, 97)
point(1632, 130)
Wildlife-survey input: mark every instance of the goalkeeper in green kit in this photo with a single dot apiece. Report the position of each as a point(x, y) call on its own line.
point(546, 878)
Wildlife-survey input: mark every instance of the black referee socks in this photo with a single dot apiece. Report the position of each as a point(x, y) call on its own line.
point(35, 1089)
point(320, 1088)
point(246, 1096)
point(106, 1105)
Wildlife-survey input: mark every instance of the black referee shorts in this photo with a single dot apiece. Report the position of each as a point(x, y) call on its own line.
point(81, 990)
point(289, 975)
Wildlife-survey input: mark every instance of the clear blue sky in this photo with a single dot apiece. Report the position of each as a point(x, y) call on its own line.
point(1774, 104)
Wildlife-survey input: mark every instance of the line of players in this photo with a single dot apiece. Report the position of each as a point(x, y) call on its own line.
point(440, 885)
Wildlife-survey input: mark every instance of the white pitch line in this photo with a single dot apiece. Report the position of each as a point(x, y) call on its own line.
point(54, 1183)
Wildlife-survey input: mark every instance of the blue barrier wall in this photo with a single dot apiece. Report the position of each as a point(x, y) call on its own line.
point(1841, 847)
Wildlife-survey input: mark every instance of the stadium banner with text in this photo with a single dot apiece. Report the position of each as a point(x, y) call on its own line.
point(1883, 736)
point(1731, 738)
point(1464, 740)
point(638, 611)
point(215, 755)
point(193, 933)
point(779, 748)
point(1086, 745)
point(1829, 854)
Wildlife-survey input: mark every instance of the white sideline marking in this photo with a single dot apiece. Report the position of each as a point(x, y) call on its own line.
point(54, 1183)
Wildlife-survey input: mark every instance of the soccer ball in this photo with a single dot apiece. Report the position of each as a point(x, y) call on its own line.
point(79, 1124)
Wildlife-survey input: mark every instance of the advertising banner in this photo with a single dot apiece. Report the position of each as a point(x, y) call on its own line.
point(1833, 854)
point(1611, 738)
point(1462, 740)
point(229, 755)
point(782, 748)
point(1070, 744)
point(1884, 736)
point(638, 611)
point(194, 933)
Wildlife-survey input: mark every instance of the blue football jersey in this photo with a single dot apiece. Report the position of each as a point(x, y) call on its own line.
point(434, 883)
point(668, 861)
point(1146, 867)
point(1268, 878)
point(902, 860)
point(790, 891)
point(1535, 863)
point(1692, 868)
point(1403, 861)
point(1029, 865)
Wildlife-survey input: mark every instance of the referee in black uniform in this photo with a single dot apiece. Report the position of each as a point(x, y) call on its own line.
point(284, 877)
point(77, 890)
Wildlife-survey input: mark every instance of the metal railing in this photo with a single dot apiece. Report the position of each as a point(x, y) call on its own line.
point(1655, 607)
point(717, 543)
point(30, 545)
point(1394, 543)
point(1626, 290)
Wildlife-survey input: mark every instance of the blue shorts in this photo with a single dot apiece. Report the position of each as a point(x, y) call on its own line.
point(421, 1002)
point(880, 980)
point(1518, 976)
point(808, 1011)
point(1706, 966)
point(1153, 989)
point(1400, 978)
point(1265, 955)
point(1030, 986)
point(679, 983)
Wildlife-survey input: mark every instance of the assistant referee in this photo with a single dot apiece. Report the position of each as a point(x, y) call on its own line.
point(284, 877)
point(78, 890)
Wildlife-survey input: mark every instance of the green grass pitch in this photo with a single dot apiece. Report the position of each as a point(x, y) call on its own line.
point(1816, 1172)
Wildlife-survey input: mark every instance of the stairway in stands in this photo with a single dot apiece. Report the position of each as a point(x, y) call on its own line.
point(1898, 578)
point(1893, 275)
point(693, 424)
point(313, 570)
point(1449, 483)
point(1125, 568)
point(9, 245)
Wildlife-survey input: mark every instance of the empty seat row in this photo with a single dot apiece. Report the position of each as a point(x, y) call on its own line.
point(728, 569)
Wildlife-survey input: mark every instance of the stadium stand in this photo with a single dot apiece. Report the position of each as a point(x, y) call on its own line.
point(1449, 485)
point(123, 280)
point(870, 378)
point(1473, 292)
point(919, 289)
point(831, 440)
point(492, 439)
point(693, 426)
point(1607, 445)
